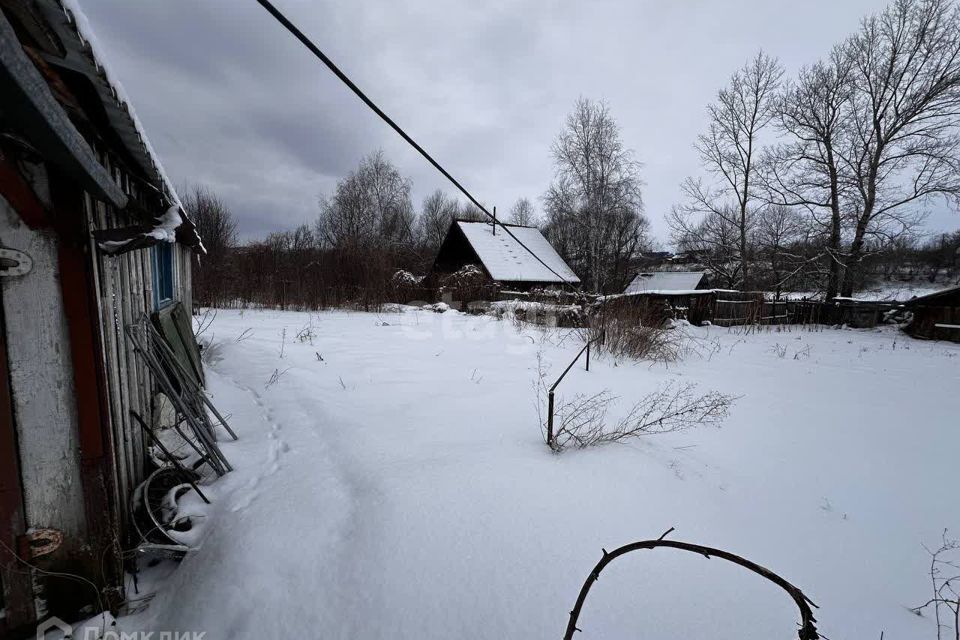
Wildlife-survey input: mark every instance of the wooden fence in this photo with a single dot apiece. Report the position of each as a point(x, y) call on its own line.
point(735, 308)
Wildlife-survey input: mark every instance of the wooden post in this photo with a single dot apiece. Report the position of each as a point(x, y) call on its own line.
point(550, 419)
point(588, 354)
point(15, 583)
point(494, 220)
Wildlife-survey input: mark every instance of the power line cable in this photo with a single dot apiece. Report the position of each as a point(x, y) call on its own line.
point(315, 50)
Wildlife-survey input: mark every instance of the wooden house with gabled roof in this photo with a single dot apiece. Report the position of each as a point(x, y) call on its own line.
point(502, 257)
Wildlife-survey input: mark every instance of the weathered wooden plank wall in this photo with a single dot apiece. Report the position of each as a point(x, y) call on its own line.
point(125, 292)
point(936, 323)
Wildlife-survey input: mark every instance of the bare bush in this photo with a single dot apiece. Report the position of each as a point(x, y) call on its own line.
point(641, 331)
point(945, 584)
point(583, 420)
point(307, 332)
point(469, 283)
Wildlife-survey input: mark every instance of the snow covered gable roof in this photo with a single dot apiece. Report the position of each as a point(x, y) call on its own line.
point(505, 260)
point(666, 281)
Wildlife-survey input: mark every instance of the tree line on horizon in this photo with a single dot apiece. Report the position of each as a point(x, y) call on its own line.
point(811, 183)
point(368, 229)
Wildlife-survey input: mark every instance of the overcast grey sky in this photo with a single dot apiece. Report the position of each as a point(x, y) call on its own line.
point(231, 100)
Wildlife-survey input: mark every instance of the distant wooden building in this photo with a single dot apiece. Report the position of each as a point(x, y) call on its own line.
point(92, 236)
point(936, 316)
point(668, 282)
point(501, 257)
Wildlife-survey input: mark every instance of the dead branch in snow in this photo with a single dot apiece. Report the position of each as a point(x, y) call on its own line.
point(582, 421)
point(307, 333)
point(807, 631)
point(275, 377)
point(202, 322)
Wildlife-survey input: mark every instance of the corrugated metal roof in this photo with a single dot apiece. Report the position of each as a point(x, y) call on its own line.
point(73, 30)
point(665, 281)
point(83, 55)
point(505, 260)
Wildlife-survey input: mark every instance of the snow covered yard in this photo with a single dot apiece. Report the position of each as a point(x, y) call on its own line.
point(392, 482)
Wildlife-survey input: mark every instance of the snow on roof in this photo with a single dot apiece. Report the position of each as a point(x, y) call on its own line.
point(505, 260)
point(928, 295)
point(85, 54)
point(665, 281)
point(81, 24)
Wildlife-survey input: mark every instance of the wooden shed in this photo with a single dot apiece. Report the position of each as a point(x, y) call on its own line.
point(92, 236)
point(502, 257)
point(936, 316)
point(668, 282)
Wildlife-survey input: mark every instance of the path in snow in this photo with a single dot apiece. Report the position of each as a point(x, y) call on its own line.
point(398, 488)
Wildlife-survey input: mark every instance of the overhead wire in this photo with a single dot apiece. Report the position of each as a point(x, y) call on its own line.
point(315, 50)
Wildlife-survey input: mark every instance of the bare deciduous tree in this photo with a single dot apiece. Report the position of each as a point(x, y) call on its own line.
point(473, 213)
point(522, 213)
point(778, 230)
point(715, 239)
point(729, 151)
point(903, 145)
point(805, 171)
point(218, 229)
point(594, 209)
point(437, 213)
point(370, 207)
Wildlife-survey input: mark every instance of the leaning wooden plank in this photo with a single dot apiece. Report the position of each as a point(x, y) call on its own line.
point(184, 327)
point(164, 322)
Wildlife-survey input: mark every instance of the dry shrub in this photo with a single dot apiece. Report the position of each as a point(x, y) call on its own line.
point(945, 583)
point(468, 284)
point(640, 331)
point(407, 287)
point(583, 420)
point(523, 312)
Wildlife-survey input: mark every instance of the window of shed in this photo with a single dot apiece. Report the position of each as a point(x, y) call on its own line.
point(162, 274)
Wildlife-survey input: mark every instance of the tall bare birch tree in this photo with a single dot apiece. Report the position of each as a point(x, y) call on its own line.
point(371, 207)
point(594, 208)
point(729, 152)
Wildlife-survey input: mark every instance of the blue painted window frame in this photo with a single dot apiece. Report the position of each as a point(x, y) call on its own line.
point(163, 274)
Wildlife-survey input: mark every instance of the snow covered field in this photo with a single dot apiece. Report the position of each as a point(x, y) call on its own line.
point(400, 488)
